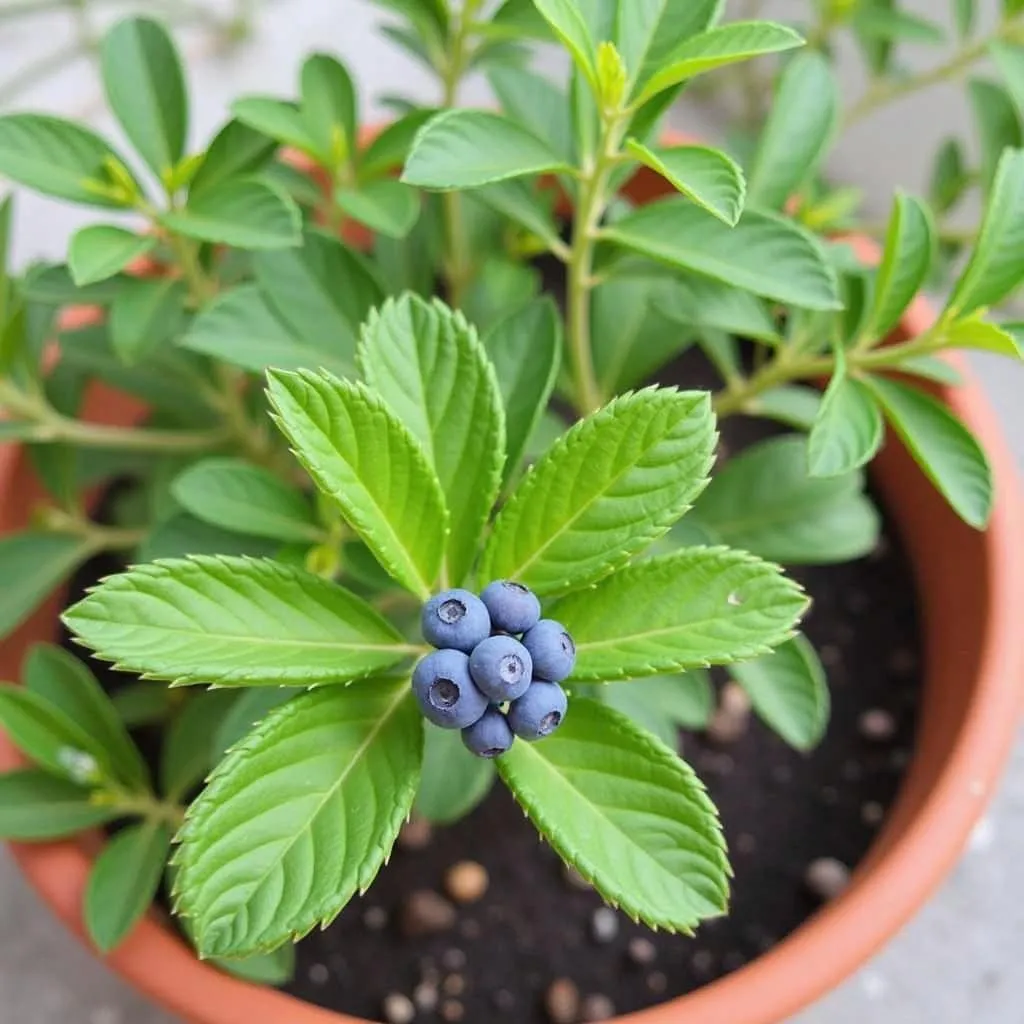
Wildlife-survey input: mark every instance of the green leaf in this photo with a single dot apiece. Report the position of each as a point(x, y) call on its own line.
point(536, 103)
point(145, 314)
point(665, 704)
point(942, 446)
point(59, 158)
point(389, 149)
point(32, 565)
point(52, 284)
point(234, 621)
point(385, 206)
point(35, 805)
point(181, 534)
point(792, 405)
point(139, 704)
point(636, 466)
point(329, 107)
point(964, 13)
point(848, 429)
point(736, 41)
point(279, 119)
point(706, 176)
point(995, 268)
point(66, 683)
point(566, 20)
point(973, 332)
point(765, 501)
point(1009, 59)
point(629, 815)
point(798, 132)
point(949, 176)
point(99, 251)
point(764, 254)
point(701, 303)
point(501, 286)
point(453, 781)
point(274, 968)
point(329, 777)
point(788, 690)
point(245, 213)
point(237, 151)
point(892, 24)
point(145, 88)
point(123, 882)
point(427, 363)
point(187, 755)
point(525, 349)
point(522, 203)
point(997, 121)
point(244, 498)
point(933, 368)
point(248, 709)
point(468, 148)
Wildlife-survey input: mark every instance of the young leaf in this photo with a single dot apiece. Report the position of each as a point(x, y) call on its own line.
point(536, 103)
point(237, 151)
point(788, 690)
point(973, 332)
point(35, 805)
point(566, 20)
point(99, 251)
point(764, 254)
point(243, 498)
point(525, 349)
point(234, 622)
point(629, 815)
point(636, 466)
point(388, 207)
point(664, 704)
point(765, 501)
point(244, 213)
point(428, 365)
point(997, 121)
point(123, 882)
point(277, 119)
point(145, 88)
point(848, 428)
point(706, 176)
point(330, 777)
point(144, 315)
point(453, 781)
point(798, 131)
point(343, 433)
point(248, 709)
point(329, 106)
point(460, 149)
point(188, 748)
point(942, 446)
point(390, 149)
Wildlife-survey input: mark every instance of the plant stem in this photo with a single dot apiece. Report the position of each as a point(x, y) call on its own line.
point(143, 805)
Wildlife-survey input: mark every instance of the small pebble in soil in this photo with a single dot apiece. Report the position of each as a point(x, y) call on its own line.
point(452, 1010)
point(876, 725)
point(426, 912)
point(745, 843)
point(454, 985)
point(398, 1009)
point(826, 877)
point(562, 1001)
point(453, 959)
point(319, 974)
point(466, 882)
point(573, 878)
point(415, 834)
point(424, 995)
point(429, 971)
point(641, 951)
point(872, 813)
point(604, 925)
point(732, 716)
point(656, 982)
point(504, 1000)
point(375, 919)
point(597, 1007)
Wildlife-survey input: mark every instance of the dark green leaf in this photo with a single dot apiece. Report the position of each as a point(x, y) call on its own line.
point(702, 303)
point(236, 151)
point(35, 805)
point(248, 709)
point(385, 206)
point(146, 314)
point(998, 123)
point(890, 24)
point(536, 103)
point(848, 429)
point(181, 534)
point(664, 704)
point(139, 704)
point(1009, 59)
point(277, 119)
point(522, 203)
point(500, 287)
point(52, 284)
point(274, 968)
point(102, 250)
point(793, 405)
point(189, 747)
point(949, 176)
point(390, 148)
point(453, 781)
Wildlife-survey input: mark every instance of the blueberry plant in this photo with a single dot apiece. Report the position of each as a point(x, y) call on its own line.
point(396, 523)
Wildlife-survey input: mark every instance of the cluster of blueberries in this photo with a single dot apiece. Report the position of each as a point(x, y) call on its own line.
point(497, 667)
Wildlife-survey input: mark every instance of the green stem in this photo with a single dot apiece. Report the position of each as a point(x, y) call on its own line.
point(142, 805)
point(99, 536)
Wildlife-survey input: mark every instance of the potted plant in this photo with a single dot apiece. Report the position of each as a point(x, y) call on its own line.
point(363, 537)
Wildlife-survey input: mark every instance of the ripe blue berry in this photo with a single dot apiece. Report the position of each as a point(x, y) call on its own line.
point(445, 690)
point(539, 712)
point(489, 737)
point(455, 619)
point(502, 667)
point(513, 607)
point(552, 650)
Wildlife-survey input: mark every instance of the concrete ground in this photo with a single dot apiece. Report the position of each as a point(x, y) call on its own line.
point(959, 960)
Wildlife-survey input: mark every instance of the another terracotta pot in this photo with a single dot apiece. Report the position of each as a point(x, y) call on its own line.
point(970, 587)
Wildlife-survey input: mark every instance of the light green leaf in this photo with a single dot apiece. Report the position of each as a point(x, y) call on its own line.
point(892, 24)
point(933, 368)
point(274, 968)
point(629, 815)
point(997, 121)
point(145, 88)
point(636, 466)
point(765, 501)
point(973, 332)
point(468, 148)
point(385, 206)
point(789, 691)
point(942, 446)
point(964, 12)
point(848, 429)
point(665, 704)
point(389, 150)
point(454, 781)
point(181, 534)
point(99, 251)
point(706, 176)
point(249, 708)
point(243, 498)
point(317, 792)
point(949, 177)
point(145, 314)
point(521, 202)
point(701, 303)
point(792, 405)
point(536, 103)
point(187, 754)
point(429, 366)
point(501, 286)
point(797, 134)
point(566, 20)
point(1009, 58)
point(123, 882)
point(237, 151)
point(764, 254)
point(35, 805)
point(343, 433)
point(278, 119)
point(234, 621)
point(329, 107)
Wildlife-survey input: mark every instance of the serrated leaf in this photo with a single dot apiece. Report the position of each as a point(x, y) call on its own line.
point(565, 18)
point(385, 206)
point(763, 254)
point(123, 882)
point(35, 805)
point(689, 609)
point(329, 777)
point(537, 104)
point(234, 621)
point(343, 434)
point(942, 446)
point(429, 366)
point(99, 251)
point(789, 692)
point(144, 315)
point(453, 780)
point(708, 177)
point(629, 815)
point(237, 151)
point(248, 709)
point(664, 704)
point(279, 119)
point(848, 428)
point(636, 466)
point(997, 121)
point(188, 750)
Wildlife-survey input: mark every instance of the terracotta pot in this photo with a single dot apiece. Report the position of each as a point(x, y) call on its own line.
point(970, 587)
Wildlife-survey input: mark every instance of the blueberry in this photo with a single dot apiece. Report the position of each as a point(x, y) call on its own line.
point(513, 607)
point(490, 736)
point(539, 712)
point(455, 619)
point(502, 667)
point(445, 690)
point(552, 650)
